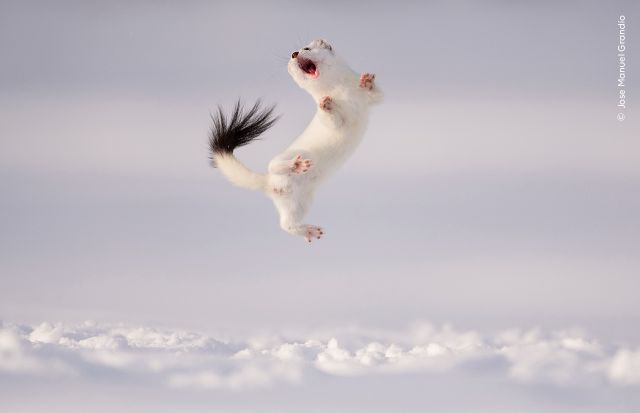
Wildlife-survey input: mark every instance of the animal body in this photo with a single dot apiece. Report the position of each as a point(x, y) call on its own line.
point(343, 98)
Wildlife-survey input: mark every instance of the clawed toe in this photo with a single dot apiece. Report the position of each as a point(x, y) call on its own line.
point(280, 191)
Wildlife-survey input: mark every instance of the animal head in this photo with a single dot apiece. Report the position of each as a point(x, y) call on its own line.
point(316, 68)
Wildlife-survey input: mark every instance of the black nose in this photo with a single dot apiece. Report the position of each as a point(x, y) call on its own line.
point(294, 55)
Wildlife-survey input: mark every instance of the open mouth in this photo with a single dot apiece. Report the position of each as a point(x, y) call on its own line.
point(308, 67)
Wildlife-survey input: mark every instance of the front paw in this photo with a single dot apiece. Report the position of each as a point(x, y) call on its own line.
point(300, 165)
point(367, 81)
point(326, 103)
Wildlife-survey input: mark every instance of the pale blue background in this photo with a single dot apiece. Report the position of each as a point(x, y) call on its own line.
point(495, 187)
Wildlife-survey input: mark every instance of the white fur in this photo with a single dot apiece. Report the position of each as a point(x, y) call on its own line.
point(326, 143)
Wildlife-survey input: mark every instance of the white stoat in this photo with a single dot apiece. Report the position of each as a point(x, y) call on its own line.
point(343, 99)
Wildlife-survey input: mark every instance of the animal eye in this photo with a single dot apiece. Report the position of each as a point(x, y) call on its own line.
point(306, 48)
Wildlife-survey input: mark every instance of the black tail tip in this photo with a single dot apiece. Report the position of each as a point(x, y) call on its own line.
point(239, 128)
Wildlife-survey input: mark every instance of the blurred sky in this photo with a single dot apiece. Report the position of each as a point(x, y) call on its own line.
point(495, 187)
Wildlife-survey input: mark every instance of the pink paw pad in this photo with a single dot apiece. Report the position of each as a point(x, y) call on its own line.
point(313, 232)
point(301, 165)
point(326, 103)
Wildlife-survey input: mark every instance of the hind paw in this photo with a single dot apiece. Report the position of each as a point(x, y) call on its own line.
point(301, 165)
point(312, 232)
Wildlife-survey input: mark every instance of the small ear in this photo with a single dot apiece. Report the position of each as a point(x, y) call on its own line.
point(322, 43)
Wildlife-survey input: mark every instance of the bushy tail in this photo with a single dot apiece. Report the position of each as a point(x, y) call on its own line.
point(228, 134)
